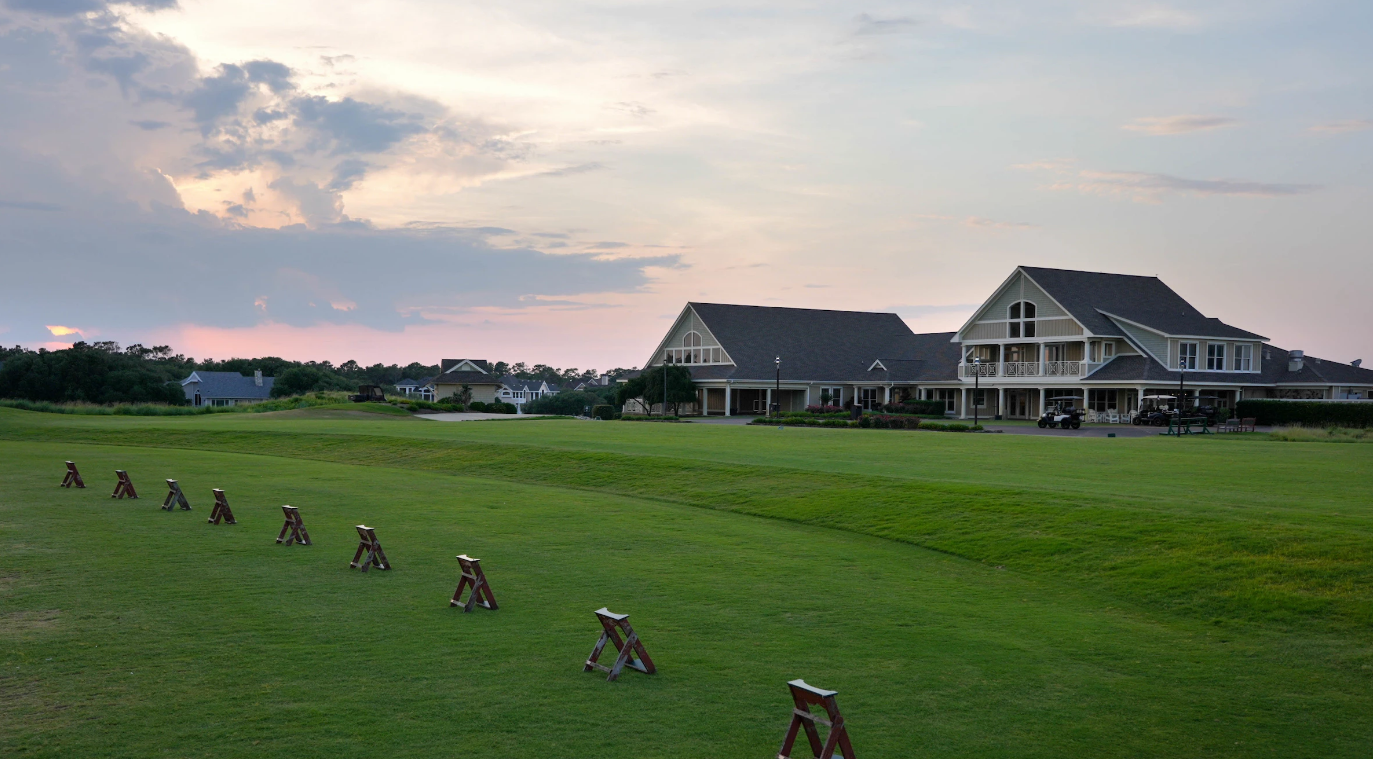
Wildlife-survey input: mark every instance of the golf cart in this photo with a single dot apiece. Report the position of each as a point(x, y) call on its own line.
point(1062, 414)
point(1154, 410)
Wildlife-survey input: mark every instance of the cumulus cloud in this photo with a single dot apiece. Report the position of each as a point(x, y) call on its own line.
point(1164, 125)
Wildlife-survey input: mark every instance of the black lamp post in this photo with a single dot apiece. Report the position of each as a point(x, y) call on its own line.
point(777, 394)
point(977, 377)
point(665, 386)
point(1182, 367)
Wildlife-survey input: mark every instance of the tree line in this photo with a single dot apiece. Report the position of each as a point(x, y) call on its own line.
point(103, 372)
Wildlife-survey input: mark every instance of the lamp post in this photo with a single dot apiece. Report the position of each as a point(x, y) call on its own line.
point(777, 394)
point(977, 377)
point(1182, 367)
point(664, 386)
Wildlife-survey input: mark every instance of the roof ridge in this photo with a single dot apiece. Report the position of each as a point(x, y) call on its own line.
point(794, 308)
point(1085, 271)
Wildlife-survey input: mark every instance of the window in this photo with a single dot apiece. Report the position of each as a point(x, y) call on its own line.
point(1102, 400)
point(1108, 350)
point(949, 396)
point(836, 396)
point(1244, 358)
point(1187, 356)
point(867, 397)
point(1215, 357)
point(692, 352)
point(1020, 317)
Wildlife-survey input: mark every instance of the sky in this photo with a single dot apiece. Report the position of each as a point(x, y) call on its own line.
point(552, 181)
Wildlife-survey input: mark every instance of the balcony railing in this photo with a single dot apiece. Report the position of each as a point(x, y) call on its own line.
point(987, 369)
point(1029, 369)
point(1063, 368)
point(1022, 369)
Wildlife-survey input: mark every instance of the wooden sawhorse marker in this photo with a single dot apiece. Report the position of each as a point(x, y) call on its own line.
point(174, 497)
point(369, 543)
point(73, 477)
point(221, 510)
point(473, 577)
point(806, 696)
point(124, 487)
point(612, 625)
point(294, 525)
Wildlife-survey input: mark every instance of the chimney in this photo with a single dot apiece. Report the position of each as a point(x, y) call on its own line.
point(1294, 360)
point(257, 378)
point(1355, 363)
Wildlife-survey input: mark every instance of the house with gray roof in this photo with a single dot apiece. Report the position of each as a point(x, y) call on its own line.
point(1106, 340)
point(459, 375)
point(226, 388)
point(517, 391)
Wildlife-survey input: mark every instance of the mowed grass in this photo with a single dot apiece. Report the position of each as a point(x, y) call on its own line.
point(1122, 624)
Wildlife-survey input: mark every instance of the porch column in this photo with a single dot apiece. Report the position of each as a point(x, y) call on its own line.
point(726, 399)
point(888, 395)
point(963, 407)
point(807, 394)
point(1001, 401)
point(768, 403)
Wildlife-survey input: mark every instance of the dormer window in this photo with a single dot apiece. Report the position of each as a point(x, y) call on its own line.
point(1020, 319)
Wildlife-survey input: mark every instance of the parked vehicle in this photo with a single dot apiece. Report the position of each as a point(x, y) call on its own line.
point(1062, 414)
point(368, 393)
point(1155, 410)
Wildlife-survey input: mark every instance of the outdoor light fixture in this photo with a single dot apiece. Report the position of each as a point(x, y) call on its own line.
point(777, 399)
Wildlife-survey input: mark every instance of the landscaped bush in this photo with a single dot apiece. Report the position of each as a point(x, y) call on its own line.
point(497, 407)
point(441, 406)
point(928, 408)
point(479, 406)
point(814, 409)
point(867, 421)
point(1308, 413)
point(603, 412)
point(569, 403)
point(158, 409)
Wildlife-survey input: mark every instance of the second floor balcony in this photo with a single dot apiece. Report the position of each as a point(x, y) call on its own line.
point(1028, 369)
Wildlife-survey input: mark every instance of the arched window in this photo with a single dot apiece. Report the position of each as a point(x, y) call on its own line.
point(1021, 315)
point(691, 352)
point(691, 340)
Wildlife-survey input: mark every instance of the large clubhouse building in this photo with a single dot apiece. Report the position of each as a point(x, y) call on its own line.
point(1106, 340)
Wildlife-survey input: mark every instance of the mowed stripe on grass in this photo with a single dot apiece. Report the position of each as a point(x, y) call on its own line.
point(1221, 565)
point(133, 632)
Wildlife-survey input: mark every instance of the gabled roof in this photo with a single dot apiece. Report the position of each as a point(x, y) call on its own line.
point(448, 364)
point(466, 378)
point(1314, 370)
point(534, 385)
point(814, 344)
point(1088, 296)
point(229, 385)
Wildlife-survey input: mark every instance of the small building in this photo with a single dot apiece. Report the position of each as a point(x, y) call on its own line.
point(474, 374)
point(422, 389)
point(226, 388)
point(517, 391)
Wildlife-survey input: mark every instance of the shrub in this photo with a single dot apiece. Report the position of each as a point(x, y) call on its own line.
point(813, 409)
point(1308, 413)
point(928, 408)
point(571, 403)
point(1299, 434)
point(603, 412)
point(497, 407)
point(479, 406)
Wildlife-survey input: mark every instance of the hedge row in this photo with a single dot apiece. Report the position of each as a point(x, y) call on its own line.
point(1311, 413)
point(869, 421)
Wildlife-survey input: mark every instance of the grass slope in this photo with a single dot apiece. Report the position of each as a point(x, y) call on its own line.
point(1122, 626)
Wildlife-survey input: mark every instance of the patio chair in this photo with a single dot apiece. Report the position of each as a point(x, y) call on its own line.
point(1248, 424)
point(1112, 416)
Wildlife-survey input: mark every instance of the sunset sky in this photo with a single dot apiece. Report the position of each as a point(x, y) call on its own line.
point(551, 181)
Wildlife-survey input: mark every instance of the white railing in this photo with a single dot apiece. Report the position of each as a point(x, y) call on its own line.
point(980, 370)
point(1063, 368)
point(1021, 368)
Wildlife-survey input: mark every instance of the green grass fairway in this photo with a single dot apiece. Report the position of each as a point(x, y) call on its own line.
point(967, 595)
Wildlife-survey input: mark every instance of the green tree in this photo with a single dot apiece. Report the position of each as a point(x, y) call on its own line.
point(630, 390)
point(680, 387)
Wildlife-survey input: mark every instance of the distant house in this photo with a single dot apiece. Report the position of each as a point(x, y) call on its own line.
point(226, 388)
point(476, 374)
point(592, 383)
point(422, 389)
point(514, 390)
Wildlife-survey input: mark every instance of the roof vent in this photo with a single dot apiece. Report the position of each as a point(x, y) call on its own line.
point(257, 378)
point(1294, 360)
point(1355, 363)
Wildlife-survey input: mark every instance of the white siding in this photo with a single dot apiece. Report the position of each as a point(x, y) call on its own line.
point(1152, 341)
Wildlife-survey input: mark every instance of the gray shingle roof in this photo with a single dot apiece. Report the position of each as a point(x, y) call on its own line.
point(467, 378)
point(230, 385)
point(448, 363)
point(1274, 372)
point(1088, 295)
point(814, 344)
